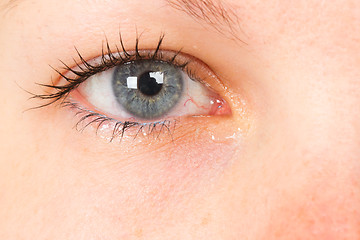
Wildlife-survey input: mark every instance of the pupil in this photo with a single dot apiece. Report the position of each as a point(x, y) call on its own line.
point(150, 83)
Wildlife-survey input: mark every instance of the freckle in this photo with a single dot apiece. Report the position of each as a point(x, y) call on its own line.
point(205, 221)
point(139, 232)
point(86, 150)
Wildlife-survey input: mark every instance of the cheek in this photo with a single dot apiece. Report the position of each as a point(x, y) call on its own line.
point(322, 211)
point(314, 192)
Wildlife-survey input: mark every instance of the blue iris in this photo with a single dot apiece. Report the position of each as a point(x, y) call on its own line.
point(148, 89)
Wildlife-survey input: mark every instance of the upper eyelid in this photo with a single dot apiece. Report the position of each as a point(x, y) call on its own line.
point(84, 69)
point(121, 55)
point(88, 68)
point(108, 57)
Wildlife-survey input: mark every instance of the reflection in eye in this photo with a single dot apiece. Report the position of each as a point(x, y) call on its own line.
point(136, 89)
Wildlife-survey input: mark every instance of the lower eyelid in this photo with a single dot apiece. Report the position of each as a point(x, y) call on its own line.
point(111, 129)
point(165, 131)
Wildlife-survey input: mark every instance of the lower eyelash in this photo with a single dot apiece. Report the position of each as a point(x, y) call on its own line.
point(89, 118)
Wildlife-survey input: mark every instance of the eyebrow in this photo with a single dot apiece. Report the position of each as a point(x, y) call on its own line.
point(8, 5)
point(215, 13)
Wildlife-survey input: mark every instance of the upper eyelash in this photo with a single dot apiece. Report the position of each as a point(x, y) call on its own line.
point(108, 60)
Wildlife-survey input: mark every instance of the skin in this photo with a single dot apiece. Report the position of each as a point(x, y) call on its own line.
point(284, 165)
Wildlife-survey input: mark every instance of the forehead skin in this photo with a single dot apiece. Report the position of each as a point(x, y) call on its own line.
point(293, 175)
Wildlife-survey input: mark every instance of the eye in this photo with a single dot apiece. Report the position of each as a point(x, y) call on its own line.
point(139, 88)
point(148, 90)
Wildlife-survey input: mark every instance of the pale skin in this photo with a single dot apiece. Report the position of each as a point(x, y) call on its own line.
point(284, 165)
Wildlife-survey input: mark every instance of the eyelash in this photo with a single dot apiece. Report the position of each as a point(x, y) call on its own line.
point(108, 60)
point(119, 127)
